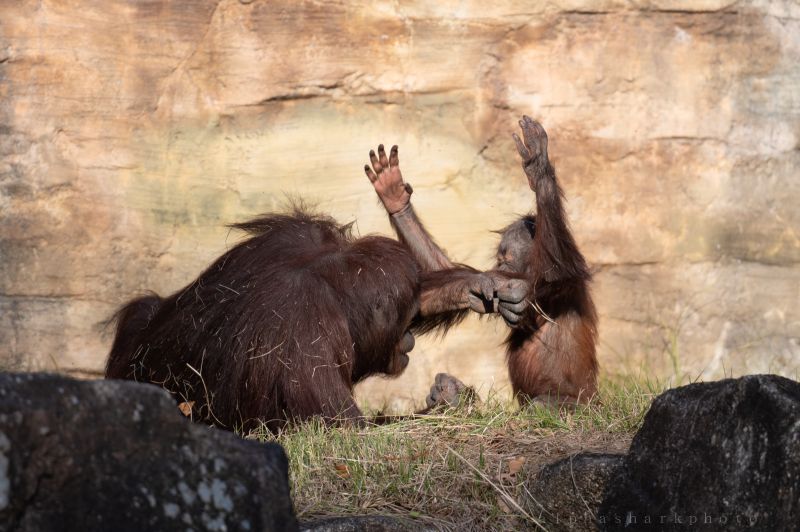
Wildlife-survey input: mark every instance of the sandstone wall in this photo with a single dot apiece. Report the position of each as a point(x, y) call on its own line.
point(132, 132)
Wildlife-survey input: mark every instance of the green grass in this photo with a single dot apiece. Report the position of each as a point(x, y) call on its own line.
point(461, 469)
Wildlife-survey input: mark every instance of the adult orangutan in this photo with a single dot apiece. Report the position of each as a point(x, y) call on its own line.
point(551, 349)
point(282, 325)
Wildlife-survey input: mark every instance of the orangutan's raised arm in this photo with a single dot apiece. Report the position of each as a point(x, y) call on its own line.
point(395, 194)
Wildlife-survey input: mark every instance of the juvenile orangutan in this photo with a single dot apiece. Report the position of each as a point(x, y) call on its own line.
point(551, 345)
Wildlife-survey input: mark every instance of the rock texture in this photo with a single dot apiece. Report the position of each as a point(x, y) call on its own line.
point(566, 495)
point(132, 132)
point(112, 455)
point(714, 456)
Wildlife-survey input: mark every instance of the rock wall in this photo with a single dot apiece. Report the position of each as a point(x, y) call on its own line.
point(132, 132)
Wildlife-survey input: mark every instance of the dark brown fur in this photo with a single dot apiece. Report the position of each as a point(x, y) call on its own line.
point(283, 325)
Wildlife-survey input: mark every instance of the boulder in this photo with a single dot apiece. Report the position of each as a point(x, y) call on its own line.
point(114, 455)
point(566, 494)
point(712, 456)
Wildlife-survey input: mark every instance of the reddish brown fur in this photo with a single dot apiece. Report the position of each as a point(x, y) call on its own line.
point(551, 354)
point(551, 350)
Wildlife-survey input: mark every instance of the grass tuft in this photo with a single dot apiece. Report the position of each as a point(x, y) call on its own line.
point(461, 469)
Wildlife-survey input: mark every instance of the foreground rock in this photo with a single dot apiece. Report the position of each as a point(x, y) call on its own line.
point(713, 456)
point(567, 494)
point(112, 455)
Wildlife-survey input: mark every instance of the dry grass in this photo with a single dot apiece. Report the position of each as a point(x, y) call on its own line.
point(461, 470)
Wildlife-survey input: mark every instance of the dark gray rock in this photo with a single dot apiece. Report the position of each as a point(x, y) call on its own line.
point(113, 455)
point(566, 495)
point(371, 523)
point(713, 456)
